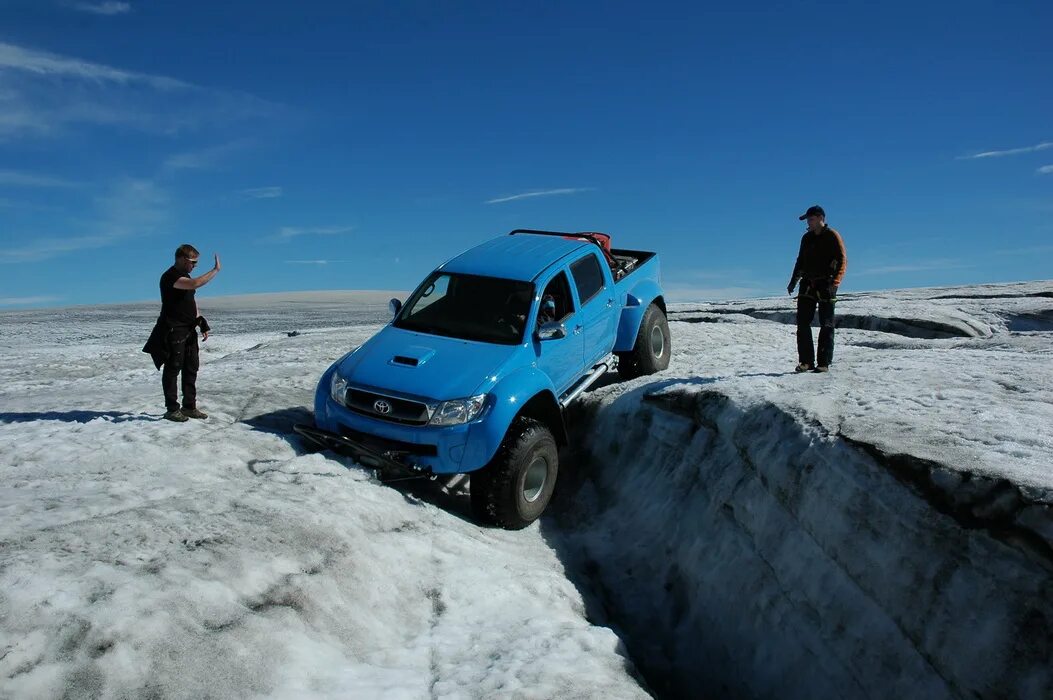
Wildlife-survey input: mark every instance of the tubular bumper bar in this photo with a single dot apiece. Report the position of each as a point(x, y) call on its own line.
point(363, 454)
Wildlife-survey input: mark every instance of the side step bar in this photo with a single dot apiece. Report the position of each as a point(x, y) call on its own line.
point(606, 365)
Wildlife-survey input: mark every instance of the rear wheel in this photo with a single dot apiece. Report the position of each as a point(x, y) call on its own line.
point(514, 489)
point(651, 352)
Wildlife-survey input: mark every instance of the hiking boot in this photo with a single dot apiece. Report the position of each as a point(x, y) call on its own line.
point(803, 367)
point(822, 368)
point(175, 415)
point(194, 413)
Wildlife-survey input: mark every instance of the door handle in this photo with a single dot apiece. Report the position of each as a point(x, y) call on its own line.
point(577, 330)
point(610, 303)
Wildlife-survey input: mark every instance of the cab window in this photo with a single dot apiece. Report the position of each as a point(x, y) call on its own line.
point(588, 277)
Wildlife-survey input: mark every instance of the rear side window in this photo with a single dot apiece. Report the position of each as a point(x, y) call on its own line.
point(588, 277)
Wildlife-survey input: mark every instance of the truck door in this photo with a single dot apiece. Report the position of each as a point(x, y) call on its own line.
point(560, 358)
point(596, 297)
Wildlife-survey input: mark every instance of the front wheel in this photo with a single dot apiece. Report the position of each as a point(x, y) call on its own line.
point(514, 489)
point(651, 352)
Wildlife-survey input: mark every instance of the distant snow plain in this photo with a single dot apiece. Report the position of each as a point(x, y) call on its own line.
point(724, 528)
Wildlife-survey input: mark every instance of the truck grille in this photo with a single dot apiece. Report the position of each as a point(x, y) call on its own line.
point(387, 408)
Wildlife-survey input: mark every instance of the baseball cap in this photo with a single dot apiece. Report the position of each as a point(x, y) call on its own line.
point(815, 210)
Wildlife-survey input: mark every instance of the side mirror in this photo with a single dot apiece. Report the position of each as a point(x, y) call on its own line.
point(395, 305)
point(554, 330)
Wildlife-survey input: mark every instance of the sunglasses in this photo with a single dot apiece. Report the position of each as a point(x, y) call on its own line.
point(192, 261)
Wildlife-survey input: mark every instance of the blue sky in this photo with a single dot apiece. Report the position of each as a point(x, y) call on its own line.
point(356, 145)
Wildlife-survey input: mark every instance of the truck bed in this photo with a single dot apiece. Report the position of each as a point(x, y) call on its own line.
point(628, 261)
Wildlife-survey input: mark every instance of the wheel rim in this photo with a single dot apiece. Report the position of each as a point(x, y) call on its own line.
point(535, 479)
point(657, 341)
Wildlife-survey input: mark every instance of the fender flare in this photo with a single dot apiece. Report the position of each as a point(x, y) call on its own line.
point(637, 300)
point(526, 391)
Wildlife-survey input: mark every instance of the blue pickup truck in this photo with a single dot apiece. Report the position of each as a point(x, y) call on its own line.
point(473, 373)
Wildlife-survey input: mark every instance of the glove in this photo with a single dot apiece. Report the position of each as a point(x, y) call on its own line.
point(790, 287)
point(203, 324)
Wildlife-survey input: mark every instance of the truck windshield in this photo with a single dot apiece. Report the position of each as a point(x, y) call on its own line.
point(487, 309)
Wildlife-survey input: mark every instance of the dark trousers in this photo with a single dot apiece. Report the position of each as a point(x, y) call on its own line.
point(807, 302)
point(182, 359)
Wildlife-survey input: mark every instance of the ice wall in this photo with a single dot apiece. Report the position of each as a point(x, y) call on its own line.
point(743, 552)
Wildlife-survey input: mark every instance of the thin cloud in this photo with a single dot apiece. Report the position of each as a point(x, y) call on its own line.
point(1009, 152)
point(205, 158)
point(923, 266)
point(262, 192)
point(46, 248)
point(44, 94)
point(316, 262)
point(131, 208)
point(27, 301)
point(1045, 170)
point(540, 193)
point(49, 64)
point(104, 8)
point(288, 232)
point(7, 203)
point(20, 179)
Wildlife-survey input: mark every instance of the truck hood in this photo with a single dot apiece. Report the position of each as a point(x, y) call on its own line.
point(427, 366)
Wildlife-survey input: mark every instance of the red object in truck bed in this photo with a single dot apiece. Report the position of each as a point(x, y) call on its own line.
point(603, 240)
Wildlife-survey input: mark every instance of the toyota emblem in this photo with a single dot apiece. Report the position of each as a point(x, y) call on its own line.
point(382, 407)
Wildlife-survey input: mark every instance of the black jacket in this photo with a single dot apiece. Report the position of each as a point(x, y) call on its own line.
point(156, 346)
point(822, 257)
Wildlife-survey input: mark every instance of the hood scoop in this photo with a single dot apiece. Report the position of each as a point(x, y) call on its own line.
point(413, 356)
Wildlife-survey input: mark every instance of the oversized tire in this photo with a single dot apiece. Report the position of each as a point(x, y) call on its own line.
point(651, 352)
point(513, 490)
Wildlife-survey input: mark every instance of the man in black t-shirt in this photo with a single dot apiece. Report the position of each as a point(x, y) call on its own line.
point(178, 323)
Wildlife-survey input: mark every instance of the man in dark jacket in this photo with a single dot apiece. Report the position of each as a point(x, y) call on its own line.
point(820, 266)
point(173, 342)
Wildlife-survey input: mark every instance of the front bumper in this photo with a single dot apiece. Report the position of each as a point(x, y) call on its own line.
point(371, 455)
point(451, 449)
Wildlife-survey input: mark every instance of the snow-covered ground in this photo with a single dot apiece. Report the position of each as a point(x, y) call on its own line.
point(727, 527)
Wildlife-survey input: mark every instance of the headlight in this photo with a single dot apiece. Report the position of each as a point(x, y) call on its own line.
point(338, 389)
point(458, 411)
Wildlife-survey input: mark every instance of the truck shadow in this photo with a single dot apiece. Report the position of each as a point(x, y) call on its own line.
point(281, 423)
point(415, 489)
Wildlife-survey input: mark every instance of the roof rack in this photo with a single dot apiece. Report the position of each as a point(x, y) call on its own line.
point(543, 233)
point(603, 240)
